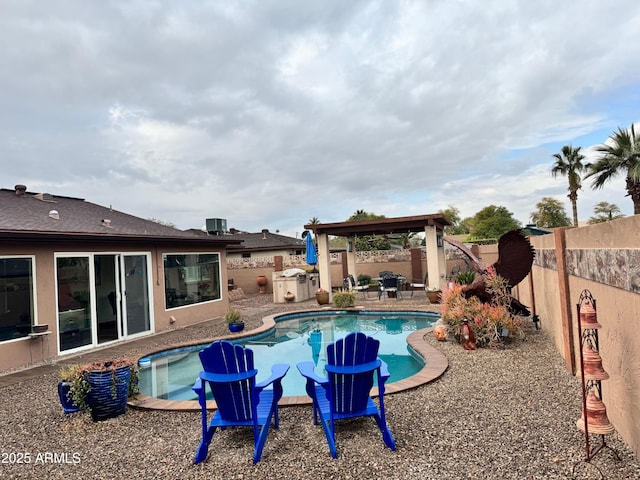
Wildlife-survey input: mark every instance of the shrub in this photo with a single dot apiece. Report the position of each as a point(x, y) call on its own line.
point(344, 299)
point(488, 320)
point(465, 278)
point(364, 279)
point(233, 315)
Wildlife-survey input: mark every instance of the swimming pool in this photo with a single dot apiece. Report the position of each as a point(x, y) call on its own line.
point(296, 337)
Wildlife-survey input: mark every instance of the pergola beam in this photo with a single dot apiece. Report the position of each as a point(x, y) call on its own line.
point(433, 226)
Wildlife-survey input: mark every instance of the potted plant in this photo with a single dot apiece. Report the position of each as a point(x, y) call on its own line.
point(234, 320)
point(434, 294)
point(101, 388)
point(322, 296)
point(69, 375)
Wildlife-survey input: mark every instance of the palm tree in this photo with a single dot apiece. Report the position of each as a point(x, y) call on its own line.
point(605, 211)
point(312, 221)
point(621, 154)
point(569, 163)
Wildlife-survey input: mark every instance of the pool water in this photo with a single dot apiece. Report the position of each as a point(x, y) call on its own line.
point(295, 338)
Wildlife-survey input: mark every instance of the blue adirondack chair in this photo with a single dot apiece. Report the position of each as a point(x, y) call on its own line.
point(352, 363)
point(229, 371)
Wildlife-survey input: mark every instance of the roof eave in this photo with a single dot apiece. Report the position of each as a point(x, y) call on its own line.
point(68, 237)
point(381, 226)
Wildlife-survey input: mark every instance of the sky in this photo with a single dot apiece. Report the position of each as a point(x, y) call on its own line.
point(270, 113)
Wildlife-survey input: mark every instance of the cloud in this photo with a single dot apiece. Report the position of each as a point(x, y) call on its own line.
point(271, 114)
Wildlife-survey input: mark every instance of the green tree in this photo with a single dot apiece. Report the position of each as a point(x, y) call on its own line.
point(569, 163)
point(491, 222)
point(363, 215)
point(620, 155)
point(550, 213)
point(457, 227)
point(314, 221)
point(467, 224)
point(605, 211)
point(369, 242)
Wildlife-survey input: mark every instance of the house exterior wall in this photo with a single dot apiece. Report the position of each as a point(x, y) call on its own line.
point(27, 351)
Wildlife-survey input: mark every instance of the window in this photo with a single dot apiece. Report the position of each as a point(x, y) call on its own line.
point(16, 297)
point(246, 255)
point(191, 278)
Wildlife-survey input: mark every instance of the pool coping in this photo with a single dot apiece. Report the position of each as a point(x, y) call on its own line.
point(436, 364)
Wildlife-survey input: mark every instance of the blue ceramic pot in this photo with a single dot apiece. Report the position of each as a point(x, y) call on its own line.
point(65, 401)
point(236, 327)
point(109, 392)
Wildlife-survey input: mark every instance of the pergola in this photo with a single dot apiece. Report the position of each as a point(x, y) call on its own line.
point(432, 225)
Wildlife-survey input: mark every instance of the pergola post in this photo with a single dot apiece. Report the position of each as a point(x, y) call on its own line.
point(351, 257)
point(436, 261)
point(324, 262)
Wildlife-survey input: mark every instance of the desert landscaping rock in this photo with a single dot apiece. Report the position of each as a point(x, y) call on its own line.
point(496, 413)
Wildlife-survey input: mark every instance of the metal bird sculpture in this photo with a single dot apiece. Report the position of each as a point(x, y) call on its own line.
point(515, 258)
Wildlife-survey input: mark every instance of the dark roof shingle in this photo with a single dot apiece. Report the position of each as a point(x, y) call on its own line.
point(33, 213)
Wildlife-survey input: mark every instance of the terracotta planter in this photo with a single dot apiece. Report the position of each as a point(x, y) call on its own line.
point(289, 297)
point(440, 332)
point(434, 296)
point(322, 298)
point(262, 283)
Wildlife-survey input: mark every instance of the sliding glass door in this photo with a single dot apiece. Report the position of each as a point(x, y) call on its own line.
point(107, 284)
point(74, 302)
point(102, 298)
point(136, 298)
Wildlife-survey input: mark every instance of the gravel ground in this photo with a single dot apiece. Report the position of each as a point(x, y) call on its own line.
point(507, 414)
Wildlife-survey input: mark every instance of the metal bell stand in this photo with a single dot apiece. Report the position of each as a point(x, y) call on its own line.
point(588, 333)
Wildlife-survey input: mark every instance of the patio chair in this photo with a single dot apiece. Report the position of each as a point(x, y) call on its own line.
point(389, 284)
point(352, 365)
point(241, 402)
point(350, 283)
point(420, 284)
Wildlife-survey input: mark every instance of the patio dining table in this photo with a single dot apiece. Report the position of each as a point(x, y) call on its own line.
point(402, 281)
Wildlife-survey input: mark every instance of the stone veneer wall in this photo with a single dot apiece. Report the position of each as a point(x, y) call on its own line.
point(614, 267)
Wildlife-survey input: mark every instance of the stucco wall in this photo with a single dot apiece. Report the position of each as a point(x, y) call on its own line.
point(605, 260)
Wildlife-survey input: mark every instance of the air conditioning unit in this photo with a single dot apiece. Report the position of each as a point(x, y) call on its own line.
point(216, 226)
